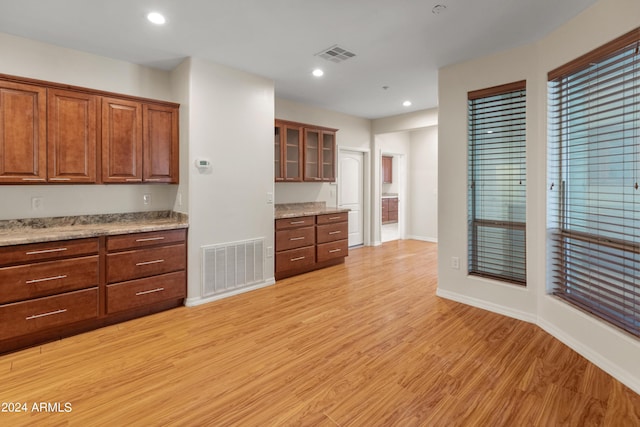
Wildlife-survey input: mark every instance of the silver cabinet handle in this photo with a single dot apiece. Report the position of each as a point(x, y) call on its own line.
point(133, 180)
point(46, 279)
point(33, 179)
point(298, 259)
point(46, 251)
point(157, 261)
point(149, 239)
point(59, 179)
point(335, 217)
point(296, 222)
point(149, 292)
point(51, 313)
point(334, 251)
point(152, 179)
point(335, 232)
point(296, 238)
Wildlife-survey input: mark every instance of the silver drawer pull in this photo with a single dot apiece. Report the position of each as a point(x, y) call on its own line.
point(51, 313)
point(296, 238)
point(334, 251)
point(33, 179)
point(133, 180)
point(59, 179)
point(157, 261)
point(149, 292)
point(149, 239)
point(296, 222)
point(334, 217)
point(298, 259)
point(335, 232)
point(46, 251)
point(46, 279)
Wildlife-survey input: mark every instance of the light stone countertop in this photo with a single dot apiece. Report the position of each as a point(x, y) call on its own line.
point(36, 230)
point(292, 210)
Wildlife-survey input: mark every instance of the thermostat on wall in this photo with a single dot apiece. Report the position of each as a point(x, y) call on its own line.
point(203, 163)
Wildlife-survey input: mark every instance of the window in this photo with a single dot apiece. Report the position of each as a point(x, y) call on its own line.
point(594, 174)
point(497, 183)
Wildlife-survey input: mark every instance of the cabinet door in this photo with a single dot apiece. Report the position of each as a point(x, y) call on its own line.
point(23, 152)
point(312, 160)
point(293, 153)
point(278, 152)
point(121, 140)
point(328, 156)
point(72, 136)
point(160, 147)
point(387, 169)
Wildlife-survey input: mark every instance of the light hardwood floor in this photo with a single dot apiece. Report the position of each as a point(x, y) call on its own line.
point(362, 344)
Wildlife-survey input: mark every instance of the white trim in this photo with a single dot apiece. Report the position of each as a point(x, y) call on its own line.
point(489, 306)
point(424, 239)
point(625, 377)
point(193, 302)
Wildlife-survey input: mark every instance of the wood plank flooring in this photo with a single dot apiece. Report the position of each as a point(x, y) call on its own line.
point(366, 343)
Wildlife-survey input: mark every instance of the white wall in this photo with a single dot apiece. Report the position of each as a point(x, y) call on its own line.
point(27, 58)
point(606, 346)
point(353, 132)
point(408, 121)
point(423, 189)
point(231, 124)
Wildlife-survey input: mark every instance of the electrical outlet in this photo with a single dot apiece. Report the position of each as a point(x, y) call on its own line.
point(37, 203)
point(146, 199)
point(179, 198)
point(269, 251)
point(455, 263)
point(269, 197)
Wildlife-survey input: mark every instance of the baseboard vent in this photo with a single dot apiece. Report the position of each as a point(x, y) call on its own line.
point(230, 266)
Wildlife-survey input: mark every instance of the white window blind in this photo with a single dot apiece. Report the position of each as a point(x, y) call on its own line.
point(497, 183)
point(594, 175)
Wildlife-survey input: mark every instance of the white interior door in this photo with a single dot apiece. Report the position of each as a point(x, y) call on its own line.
point(351, 192)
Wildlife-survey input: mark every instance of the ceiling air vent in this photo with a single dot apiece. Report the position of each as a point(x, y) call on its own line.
point(335, 54)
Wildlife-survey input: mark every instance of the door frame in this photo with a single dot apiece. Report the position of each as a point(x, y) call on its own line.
point(366, 190)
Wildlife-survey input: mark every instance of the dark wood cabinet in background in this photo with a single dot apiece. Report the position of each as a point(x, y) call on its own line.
point(288, 151)
point(319, 155)
point(389, 210)
point(63, 134)
point(23, 133)
point(387, 169)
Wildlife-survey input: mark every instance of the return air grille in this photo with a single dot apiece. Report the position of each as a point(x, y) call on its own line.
point(230, 266)
point(335, 54)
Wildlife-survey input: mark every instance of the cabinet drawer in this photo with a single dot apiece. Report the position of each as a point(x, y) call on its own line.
point(295, 258)
point(327, 251)
point(332, 232)
point(47, 278)
point(139, 240)
point(301, 221)
point(123, 266)
point(36, 315)
point(142, 292)
point(46, 251)
point(393, 204)
point(295, 238)
point(330, 218)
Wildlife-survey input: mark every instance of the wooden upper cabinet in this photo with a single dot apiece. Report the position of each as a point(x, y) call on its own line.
point(160, 143)
point(387, 169)
point(23, 133)
point(319, 155)
point(288, 151)
point(72, 136)
point(121, 140)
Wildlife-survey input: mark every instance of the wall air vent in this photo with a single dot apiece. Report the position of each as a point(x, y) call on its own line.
point(335, 54)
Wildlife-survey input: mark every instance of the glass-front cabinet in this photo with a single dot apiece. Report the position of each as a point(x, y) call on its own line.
point(304, 152)
point(288, 151)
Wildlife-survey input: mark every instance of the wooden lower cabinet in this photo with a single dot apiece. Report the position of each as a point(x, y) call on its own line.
point(55, 289)
point(311, 242)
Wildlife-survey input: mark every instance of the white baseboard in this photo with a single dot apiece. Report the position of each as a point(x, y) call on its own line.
point(192, 302)
point(489, 306)
point(619, 373)
point(424, 239)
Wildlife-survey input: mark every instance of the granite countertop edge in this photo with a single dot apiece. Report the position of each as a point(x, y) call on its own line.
point(308, 212)
point(19, 235)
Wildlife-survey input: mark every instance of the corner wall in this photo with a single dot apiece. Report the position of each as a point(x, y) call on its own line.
point(606, 346)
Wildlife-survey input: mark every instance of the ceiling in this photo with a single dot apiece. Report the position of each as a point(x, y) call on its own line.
point(398, 44)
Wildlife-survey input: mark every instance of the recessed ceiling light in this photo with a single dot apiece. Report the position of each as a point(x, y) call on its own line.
point(407, 103)
point(318, 72)
point(156, 18)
